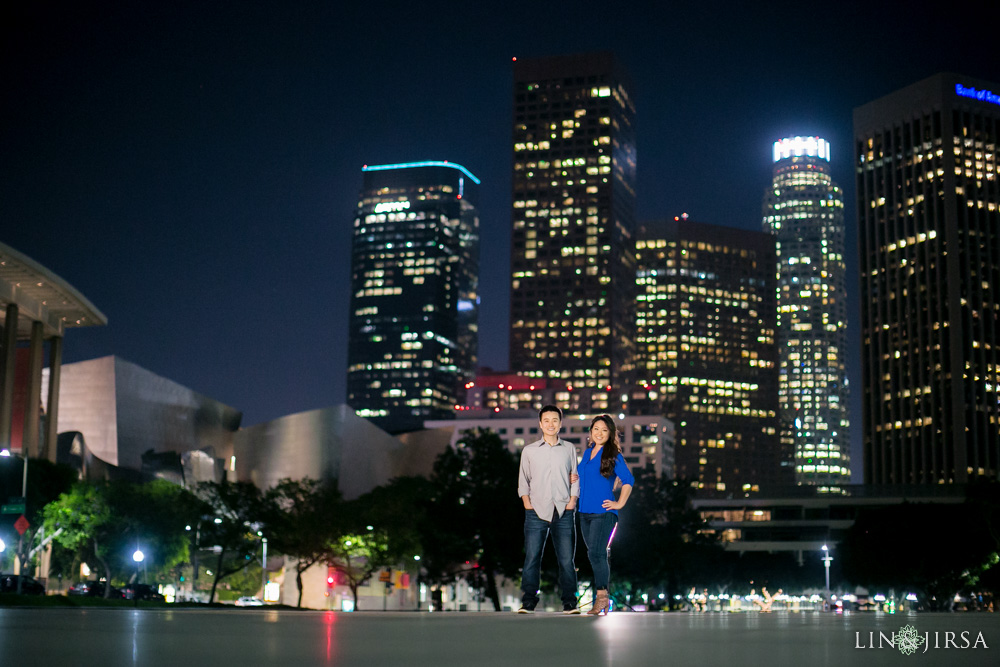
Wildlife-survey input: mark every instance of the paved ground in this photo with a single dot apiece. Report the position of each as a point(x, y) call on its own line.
point(58, 637)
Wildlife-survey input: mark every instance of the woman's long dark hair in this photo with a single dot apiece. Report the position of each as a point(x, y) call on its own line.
point(611, 448)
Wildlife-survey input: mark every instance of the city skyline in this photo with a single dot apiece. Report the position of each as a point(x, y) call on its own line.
point(189, 169)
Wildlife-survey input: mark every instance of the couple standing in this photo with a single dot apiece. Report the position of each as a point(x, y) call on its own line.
point(549, 483)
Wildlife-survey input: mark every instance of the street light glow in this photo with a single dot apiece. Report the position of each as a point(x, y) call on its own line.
point(138, 556)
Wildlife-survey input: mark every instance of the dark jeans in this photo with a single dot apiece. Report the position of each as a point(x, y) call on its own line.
point(596, 529)
point(536, 532)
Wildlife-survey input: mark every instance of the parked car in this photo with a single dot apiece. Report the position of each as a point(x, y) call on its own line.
point(144, 592)
point(247, 601)
point(29, 585)
point(93, 589)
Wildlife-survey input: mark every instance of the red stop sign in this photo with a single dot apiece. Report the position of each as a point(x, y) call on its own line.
point(21, 525)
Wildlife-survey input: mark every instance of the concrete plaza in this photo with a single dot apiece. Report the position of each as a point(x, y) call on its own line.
point(217, 638)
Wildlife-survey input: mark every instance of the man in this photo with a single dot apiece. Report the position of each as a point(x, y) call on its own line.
point(549, 503)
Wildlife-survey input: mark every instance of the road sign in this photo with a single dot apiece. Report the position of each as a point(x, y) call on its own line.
point(21, 525)
point(385, 575)
point(15, 505)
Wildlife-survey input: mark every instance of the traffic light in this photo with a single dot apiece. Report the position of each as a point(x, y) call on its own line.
point(330, 580)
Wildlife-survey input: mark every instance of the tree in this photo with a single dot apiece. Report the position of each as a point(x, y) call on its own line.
point(45, 482)
point(662, 542)
point(936, 549)
point(400, 509)
point(87, 523)
point(109, 520)
point(306, 520)
point(359, 553)
point(381, 529)
point(239, 511)
point(156, 514)
point(477, 521)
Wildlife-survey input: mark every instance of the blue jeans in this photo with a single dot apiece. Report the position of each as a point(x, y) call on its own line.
point(596, 529)
point(536, 532)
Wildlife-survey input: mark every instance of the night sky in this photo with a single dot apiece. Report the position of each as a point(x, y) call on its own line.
point(193, 167)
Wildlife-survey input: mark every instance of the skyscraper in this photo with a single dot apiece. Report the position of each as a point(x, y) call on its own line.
point(572, 245)
point(926, 160)
point(706, 356)
point(414, 303)
point(804, 210)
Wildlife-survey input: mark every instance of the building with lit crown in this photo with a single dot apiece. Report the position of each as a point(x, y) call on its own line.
point(706, 356)
point(926, 164)
point(804, 210)
point(572, 270)
point(414, 304)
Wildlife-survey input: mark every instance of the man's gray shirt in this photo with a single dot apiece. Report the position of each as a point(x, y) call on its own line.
point(544, 476)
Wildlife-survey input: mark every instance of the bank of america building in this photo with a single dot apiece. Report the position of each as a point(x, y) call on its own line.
point(928, 194)
point(414, 303)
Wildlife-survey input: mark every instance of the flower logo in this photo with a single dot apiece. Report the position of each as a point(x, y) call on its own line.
point(908, 640)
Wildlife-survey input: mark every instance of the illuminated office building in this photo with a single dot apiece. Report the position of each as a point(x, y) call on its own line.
point(414, 305)
point(804, 211)
point(926, 161)
point(705, 351)
point(572, 246)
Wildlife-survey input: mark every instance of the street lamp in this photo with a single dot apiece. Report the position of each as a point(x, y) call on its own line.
point(827, 559)
point(138, 556)
point(263, 569)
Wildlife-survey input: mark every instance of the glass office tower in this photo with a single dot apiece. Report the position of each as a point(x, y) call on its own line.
point(804, 210)
point(926, 161)
point(414, 304)
point(572, 244)
point(706, 353)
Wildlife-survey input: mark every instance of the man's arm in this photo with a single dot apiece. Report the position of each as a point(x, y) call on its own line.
point(524, 480)
point(574, 487)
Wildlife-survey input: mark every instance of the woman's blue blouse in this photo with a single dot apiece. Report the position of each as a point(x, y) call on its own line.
point(595, 488)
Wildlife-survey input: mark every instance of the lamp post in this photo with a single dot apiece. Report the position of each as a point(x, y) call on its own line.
point(137, 557)
point(263, 570)
point(827, 559)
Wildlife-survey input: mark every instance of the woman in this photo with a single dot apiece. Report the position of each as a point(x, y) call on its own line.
point(602, 463)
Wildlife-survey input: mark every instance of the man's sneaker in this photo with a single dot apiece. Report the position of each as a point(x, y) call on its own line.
point(569, 608)
point(526, 610)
